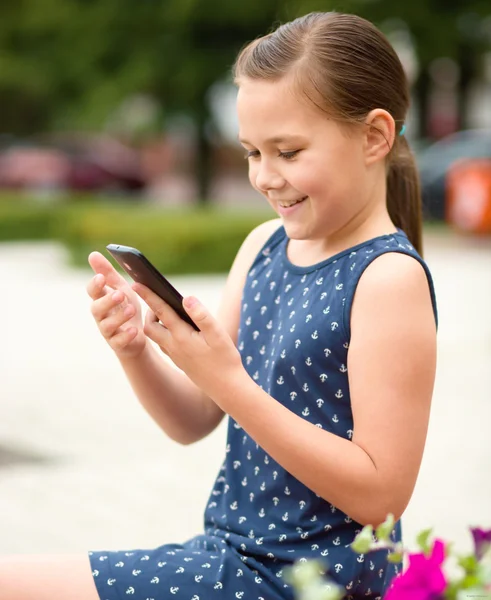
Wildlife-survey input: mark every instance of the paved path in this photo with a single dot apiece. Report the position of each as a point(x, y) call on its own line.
point(95, 472)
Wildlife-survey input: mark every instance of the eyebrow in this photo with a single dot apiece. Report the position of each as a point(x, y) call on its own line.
point(274, 140)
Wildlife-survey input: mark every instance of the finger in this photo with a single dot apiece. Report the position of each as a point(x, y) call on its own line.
point(100, 264)
point(207, 324)
point(95, 287)
point(150, 318)
point(113, 301)
point(155, 331)
point(164, 313)
point(110, 325)
point(120, 340)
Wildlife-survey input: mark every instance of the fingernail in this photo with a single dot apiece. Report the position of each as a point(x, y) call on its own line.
point(191, 301)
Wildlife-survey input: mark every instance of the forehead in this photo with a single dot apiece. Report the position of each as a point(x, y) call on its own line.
point(271, 109)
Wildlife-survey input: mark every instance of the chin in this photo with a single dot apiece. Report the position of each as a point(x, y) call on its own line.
point(296, 231)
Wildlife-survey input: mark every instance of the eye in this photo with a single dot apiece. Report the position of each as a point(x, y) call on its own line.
point(289, 155)
point(251, 154)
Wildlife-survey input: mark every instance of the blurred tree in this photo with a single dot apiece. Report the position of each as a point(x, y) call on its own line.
point(69, 63)
point(440, 28)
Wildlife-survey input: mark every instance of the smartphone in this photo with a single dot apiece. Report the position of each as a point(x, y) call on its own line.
point(141, 270)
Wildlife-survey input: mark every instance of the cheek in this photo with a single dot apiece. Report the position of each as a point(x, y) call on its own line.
point(332, 178)
point(252, 174)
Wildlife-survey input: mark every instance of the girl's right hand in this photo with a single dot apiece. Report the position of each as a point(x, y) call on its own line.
point(116, 309)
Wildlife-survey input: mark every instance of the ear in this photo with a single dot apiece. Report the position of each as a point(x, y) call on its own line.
point(379, 135)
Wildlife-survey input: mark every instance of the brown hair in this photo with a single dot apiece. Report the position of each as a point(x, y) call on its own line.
point(346, 67)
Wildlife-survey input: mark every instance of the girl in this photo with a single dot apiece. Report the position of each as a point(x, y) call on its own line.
point(323, 355)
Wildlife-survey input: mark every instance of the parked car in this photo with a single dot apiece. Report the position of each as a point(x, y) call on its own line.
point(71, 162)
point(435, 160)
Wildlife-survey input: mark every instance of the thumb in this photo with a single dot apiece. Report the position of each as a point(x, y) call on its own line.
point(200, 315)
point(100, 264)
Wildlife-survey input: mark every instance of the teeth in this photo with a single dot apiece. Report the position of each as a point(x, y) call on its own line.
point(292, 203)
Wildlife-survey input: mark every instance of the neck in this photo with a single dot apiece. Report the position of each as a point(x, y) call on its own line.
point(371, 221)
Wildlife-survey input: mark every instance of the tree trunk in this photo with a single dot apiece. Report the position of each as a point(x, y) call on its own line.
point(467, 63)
point(421, 89)
point(204, 162)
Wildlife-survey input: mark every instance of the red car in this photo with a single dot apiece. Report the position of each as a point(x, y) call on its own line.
point(71, 162)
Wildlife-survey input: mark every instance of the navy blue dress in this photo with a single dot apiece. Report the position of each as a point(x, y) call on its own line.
point(294, 337)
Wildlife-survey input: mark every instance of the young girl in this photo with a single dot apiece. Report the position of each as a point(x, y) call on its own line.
point(323, 355)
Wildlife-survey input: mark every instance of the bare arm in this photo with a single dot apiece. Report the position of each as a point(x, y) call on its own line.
point(177, 405)
point(391, 366)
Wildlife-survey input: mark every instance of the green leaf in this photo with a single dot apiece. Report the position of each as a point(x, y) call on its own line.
point(468, 563)
point(302, 575)
point(423, 540)
point(395, 557)
point(385, 529)
point(363, 541)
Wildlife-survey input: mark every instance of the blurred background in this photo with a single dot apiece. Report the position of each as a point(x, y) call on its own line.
point(117, 125)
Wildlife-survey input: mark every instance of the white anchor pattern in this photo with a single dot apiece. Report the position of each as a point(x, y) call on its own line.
point(294, 340)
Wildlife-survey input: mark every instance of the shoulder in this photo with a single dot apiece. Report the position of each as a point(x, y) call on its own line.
point(254, 243)
point(260, 234)
point(389, 277)
point(394, 269)
point(395, 286)
point(229, 311)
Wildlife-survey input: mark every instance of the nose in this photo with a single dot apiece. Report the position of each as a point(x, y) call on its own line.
point(266, 177)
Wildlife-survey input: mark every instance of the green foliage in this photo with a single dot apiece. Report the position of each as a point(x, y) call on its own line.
point(189, 241)
point(307, 578)
point(176, 241)
point(423, 540)
point(384, 530)
point(70, 62)
point(24, 220)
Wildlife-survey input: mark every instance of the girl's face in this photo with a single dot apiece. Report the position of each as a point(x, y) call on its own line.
point(310, 170)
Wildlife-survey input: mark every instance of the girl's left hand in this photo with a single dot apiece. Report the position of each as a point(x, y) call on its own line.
point(208, 357)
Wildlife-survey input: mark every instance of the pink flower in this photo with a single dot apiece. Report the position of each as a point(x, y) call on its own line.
point(423, 579)
point(482, 541)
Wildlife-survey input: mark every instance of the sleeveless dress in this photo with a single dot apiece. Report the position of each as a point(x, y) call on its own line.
point(294, 338)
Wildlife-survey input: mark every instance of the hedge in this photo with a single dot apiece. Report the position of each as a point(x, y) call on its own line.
point(177, 241)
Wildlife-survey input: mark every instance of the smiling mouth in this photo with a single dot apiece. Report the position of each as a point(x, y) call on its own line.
point(287, 205)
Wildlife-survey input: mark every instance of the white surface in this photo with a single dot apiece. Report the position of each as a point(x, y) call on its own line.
point(115, 481)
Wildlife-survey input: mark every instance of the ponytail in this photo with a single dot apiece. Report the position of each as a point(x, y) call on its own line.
point(404, 193)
